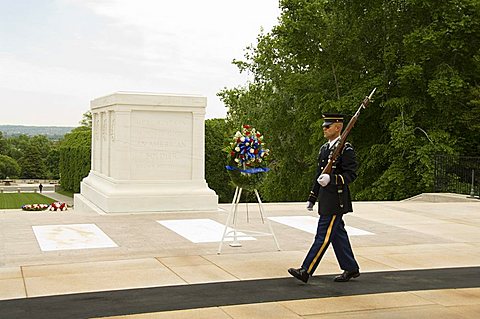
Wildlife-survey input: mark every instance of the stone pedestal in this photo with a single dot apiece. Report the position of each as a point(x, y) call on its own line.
point(147, 155)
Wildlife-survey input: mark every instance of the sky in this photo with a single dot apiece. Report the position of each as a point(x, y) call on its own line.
point(58, 55)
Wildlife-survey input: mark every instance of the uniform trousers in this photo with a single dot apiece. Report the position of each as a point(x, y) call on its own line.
point(330, 229)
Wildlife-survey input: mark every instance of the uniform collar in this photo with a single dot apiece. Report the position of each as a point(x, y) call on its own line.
point(331, 143)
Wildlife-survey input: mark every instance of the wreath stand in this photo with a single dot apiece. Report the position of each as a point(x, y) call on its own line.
point(232, 221)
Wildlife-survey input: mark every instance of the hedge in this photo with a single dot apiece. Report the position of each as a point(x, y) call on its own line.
point(75, 159)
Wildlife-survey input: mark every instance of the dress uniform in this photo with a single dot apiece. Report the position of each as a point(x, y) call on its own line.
point(333, 202)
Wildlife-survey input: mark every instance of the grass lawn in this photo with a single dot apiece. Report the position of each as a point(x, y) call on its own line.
point(16, 200)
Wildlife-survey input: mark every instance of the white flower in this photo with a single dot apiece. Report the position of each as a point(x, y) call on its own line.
point(252, 150)
point(238, 134)
point(237, 160)
point(242, 139)
point(237, 149)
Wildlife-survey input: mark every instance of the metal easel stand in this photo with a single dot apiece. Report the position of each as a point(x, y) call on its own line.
point(232, 221)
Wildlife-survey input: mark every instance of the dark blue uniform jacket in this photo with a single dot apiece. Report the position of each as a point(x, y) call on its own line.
point(335, 197)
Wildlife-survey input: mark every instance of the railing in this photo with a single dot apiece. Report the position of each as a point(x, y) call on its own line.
point(457, 174)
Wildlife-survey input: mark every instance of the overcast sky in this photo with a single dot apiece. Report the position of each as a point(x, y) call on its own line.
point(58, 55)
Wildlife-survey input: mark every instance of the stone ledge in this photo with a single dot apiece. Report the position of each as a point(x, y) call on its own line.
point(442, 198)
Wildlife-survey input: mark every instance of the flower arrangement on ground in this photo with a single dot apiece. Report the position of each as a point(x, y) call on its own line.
point(35, 207)
point(58, 206)
point(247, 158)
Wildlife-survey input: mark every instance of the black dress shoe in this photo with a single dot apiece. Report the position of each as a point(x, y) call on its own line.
point(347, 275)
point(300, 274)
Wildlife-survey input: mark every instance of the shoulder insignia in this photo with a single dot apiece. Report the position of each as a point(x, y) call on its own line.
point(347, 147)
point(323, 147)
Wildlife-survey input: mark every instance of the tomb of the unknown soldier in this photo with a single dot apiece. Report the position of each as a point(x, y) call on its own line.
point(147, 155)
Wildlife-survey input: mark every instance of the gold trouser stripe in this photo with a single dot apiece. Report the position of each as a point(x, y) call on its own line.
point(343, 181)
point(325, 243)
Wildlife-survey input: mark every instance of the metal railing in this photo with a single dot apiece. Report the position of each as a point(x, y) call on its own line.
point(457, 174)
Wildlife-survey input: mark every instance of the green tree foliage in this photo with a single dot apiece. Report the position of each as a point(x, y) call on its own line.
point(3, 144)
point(32, 163)
point(38, 154)
point(17, 146)
point(8, 167)
point(325, 56)
point(75, 159)
point(216, 131)
point(53, 162)
point(86, 120)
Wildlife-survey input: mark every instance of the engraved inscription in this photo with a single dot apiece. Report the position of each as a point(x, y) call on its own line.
point(112, 126)
point(104, 126)
point(96, 125)
point(161, 145)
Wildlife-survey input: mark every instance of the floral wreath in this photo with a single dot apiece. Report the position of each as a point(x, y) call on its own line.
point(247, 152)
point(35, 207)
point(38, 207)
point(58, 206)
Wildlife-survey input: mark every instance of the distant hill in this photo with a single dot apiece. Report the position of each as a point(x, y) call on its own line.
point(52, 132)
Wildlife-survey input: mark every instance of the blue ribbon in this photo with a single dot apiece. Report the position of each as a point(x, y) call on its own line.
point(254, 170)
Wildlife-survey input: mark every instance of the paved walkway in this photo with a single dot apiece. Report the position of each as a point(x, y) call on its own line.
point(59, 197)
point(418, 259)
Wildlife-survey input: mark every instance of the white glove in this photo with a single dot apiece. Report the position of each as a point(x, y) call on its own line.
point(323, 180)
point(310, 205)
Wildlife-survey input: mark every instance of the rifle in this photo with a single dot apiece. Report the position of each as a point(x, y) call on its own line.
point(335, 153)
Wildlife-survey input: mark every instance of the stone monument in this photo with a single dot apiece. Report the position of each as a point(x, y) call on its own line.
point(147, 155)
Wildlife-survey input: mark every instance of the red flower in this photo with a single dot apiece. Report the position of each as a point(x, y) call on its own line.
point(246, 126)
point(232, 153)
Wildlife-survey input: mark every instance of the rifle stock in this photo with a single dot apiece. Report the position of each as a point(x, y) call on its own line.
point(335, 153)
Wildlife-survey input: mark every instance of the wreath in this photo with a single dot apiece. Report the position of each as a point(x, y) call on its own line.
point(56, 206)
point(35, 207)
point(247, 158)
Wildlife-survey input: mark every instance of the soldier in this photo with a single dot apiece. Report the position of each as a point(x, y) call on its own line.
point(334, 201)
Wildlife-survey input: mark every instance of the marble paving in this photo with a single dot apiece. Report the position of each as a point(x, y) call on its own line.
point(74, 236)
point(309, 224)
point(200, 230)
point(418, 259)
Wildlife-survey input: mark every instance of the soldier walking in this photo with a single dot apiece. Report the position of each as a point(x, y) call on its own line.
point(334, 201)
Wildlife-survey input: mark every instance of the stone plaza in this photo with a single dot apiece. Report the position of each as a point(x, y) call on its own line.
point(418, 258)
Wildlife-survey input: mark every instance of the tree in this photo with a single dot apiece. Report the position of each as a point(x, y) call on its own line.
point(9, 167)
point(215, 159)
point(53, 163)
point(86, 119)
point(17, 145)
point(424, 58)
point(3, 144)
point(32, 164)
point(75, 159)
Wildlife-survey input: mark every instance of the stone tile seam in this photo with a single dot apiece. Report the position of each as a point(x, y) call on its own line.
point(216, 265)
point(86, 262)
point(173, 271)
point(24, 283)
point(378, 262)
point(226, 313)
point(374, 309)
